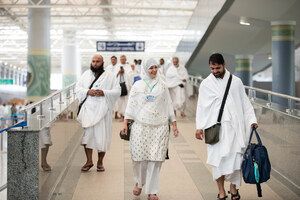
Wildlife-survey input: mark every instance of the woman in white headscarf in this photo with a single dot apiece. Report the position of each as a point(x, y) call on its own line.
point(150, 107)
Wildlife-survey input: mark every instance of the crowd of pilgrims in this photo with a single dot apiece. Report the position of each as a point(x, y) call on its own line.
point(174, 74)
point(147, 95)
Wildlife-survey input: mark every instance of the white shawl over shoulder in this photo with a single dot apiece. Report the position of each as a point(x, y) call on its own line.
point(95, 108)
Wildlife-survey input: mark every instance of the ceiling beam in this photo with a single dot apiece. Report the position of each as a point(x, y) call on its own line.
point(112, 15)
point(176, 8)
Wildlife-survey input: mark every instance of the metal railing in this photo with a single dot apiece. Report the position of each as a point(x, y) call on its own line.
point(56, 103)
point(196, 80)
point(52, 103)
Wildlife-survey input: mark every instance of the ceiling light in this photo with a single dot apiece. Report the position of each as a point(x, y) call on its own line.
point(270, 57)
point(244, 21)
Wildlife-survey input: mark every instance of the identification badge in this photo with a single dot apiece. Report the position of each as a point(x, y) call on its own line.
point(150, 98)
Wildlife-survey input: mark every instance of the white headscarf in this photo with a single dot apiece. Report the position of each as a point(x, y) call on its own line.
point(145, 75)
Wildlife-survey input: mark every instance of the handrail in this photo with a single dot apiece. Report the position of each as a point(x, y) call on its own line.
point(273, 93)
point(30, 106)
point(197, 79)
point(39, 103)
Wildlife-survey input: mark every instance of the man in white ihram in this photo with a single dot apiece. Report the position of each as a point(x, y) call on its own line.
point(238, 118)
point(115, 69)
point(176, 79)
point(123, 76)
point(95, 115)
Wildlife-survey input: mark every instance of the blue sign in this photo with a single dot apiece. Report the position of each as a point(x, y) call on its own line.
point(121, 46)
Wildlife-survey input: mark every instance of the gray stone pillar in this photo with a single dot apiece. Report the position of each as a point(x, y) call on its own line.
point(283, 59)
point(70, 58)
point(38, 84)
point(22, 165)
point(243, 68)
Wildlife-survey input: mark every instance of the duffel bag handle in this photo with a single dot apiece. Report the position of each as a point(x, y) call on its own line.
point(257, 136)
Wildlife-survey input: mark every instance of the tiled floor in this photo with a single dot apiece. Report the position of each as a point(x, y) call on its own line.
point(185, 176)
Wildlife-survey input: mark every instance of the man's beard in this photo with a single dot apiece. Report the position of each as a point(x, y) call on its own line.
point(218, 75)
point(98, 70)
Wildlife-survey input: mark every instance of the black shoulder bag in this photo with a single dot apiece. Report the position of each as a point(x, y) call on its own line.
point(80, 105)
point(124, 91)
point(212, 133)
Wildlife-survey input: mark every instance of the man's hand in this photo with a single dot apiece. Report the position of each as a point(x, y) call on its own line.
point(121, 71)
point(92, 92)
point(199, 134)
point(254, 125)
point(99, 93)
point(184, 80)
point(96, 93)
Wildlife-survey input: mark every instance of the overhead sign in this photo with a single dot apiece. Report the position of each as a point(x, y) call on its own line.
point(138, 46)
point(6, 81)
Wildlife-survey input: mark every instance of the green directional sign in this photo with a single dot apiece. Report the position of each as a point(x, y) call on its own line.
point(6, 81)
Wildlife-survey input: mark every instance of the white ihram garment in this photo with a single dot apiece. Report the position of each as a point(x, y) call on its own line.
point(225, 156)
point(174, 78)
point(122, 100)
point(96, 113)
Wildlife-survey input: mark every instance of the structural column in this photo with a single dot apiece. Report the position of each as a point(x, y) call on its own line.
point(283, 59)
point(1, 70)
point(70, 58)
point(38, 83)
point(243, 68)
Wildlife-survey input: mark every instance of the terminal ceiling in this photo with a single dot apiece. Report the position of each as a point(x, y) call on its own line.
point(160, 23)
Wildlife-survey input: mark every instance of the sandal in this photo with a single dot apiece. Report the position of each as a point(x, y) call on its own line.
point(136, 190)
point(235, 195)
point(100, 169)
point(46, 168)
point(224, 198)
point(86, 168)
point(152, 197)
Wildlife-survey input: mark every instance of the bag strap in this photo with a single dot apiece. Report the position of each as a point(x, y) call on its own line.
point(258, 188)
point(122, 79)
point(224, 99)
point(257, 136)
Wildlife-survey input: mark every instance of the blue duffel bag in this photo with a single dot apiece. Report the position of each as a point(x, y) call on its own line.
point(256, 166)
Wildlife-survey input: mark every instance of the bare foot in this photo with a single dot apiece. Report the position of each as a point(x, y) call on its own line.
point(153, 197)
point(87, 167)
point(46, 167)
point(183, 114)
point(136, 190)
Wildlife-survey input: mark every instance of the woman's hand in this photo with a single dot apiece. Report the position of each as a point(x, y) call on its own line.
point(175, 129)
point(124, 129)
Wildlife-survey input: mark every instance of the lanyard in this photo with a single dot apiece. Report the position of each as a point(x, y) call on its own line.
point(149, 86)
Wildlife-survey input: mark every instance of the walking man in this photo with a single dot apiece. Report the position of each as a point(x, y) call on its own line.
point(237, 120)
point(176, 79)
point(99, 90)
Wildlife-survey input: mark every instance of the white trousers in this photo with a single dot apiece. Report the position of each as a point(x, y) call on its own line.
point(146, 173)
